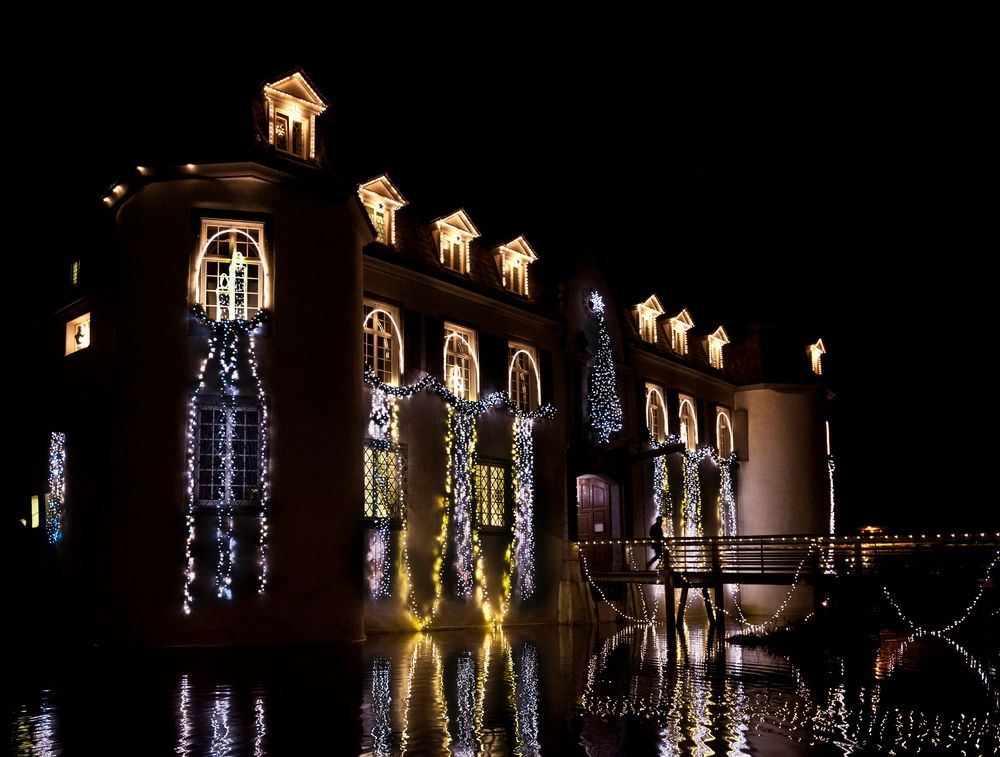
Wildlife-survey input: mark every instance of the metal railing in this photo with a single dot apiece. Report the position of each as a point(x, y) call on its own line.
point(808, 554)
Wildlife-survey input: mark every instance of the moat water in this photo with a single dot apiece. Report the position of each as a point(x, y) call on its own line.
point(541, 690)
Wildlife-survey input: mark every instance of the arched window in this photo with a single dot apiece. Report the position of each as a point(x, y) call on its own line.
point(523, 377)
point(688, 423)
point(656, 415)
point(231, 281)
point(383, 341)
point(723, 433)
point(461, 363)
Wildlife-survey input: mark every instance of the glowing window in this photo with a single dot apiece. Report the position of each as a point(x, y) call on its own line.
point(227, 465)
point(382, 199)
point(490, 492)
point(383, 341)
point(461, 362)
point(716, 341)
point(723, 433)
point(230, 284)
point(513, 260)
point(680, 324)
point(453, 234)
point(453, 253)
point(688, 423)
point(646, 314)
point(36, 515)
point(656, 415)
point(74, 273)
point(385, 481)
point(78, 334)
point(523, 381)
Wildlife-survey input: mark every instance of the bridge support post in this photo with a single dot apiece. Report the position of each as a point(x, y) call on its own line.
point(669, 605)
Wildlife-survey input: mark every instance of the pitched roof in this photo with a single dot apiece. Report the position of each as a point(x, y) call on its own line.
point(296, 84)
point(458, 220)
point(382, 186)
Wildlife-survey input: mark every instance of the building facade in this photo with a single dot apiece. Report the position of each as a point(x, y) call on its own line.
point(330, 415)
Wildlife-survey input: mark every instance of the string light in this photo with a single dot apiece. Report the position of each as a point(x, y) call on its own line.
point(604, 597)
point(663, 501)
point(831, 467)
point(457, 504)
point(962, 617)
point(727, 499)
point(603, 406)
point(57, 487)
point(224, 352)
point(691, 506)
point(524, 486)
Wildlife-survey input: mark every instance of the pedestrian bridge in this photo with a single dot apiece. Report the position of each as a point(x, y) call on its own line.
point(713, 561)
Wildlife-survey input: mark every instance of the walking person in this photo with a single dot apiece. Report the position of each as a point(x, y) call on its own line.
point(656, 534)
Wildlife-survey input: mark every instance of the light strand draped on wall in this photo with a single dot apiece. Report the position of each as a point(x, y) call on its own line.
point(226, 354)
point(458, 504)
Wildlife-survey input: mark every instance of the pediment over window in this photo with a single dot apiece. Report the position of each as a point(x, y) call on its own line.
point(716, 341)
point(292, 104)
point(382, 199)
point(646, 314)
point(816, 352)
point(513, 260)
point(453, 234)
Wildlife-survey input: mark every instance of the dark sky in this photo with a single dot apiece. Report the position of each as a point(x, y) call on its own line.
point(837, 186)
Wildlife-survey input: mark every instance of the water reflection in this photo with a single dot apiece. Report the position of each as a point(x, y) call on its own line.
point(35, 726)
point(524, 691)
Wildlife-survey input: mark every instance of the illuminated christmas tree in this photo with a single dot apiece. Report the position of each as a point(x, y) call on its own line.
point(603, 405)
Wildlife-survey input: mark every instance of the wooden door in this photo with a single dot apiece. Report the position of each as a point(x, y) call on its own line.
point(593, 513)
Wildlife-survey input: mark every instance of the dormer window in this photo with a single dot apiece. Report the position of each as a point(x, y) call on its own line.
point(381, 200)
point(292, 105)
point(513, 260)
point(646, 314)
point(716, 340)
point(816, 352)
point(680, 324)
point(453, 234)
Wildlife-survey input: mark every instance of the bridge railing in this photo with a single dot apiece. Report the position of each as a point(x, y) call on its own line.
point(810, 554)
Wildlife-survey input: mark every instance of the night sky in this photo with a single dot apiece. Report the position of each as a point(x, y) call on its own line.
point(836, 186)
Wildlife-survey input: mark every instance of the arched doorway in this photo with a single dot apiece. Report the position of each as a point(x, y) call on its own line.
point(596, 518)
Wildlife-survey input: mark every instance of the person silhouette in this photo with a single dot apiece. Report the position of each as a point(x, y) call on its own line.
point(656, 534)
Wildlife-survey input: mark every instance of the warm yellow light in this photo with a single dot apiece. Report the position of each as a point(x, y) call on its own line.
point(78, 334)
point(35, 511)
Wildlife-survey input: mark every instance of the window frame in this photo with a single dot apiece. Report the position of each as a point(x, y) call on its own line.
point(662, 433)
point(200, 273)
point(720, 413)
point(397, 514)
point(455, 334)
point(504, 469)
point(244, 403)
point(682, 400)
point(395, 333)
point(514, 350)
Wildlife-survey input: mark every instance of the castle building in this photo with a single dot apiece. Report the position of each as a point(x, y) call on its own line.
point(292, 409)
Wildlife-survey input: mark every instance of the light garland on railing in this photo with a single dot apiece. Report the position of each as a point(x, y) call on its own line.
point(759, 627)
point(224, 350)
point(961, 618)
point(604, 409)
point(458, 504)
point(57, 487)
point(604, 597)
